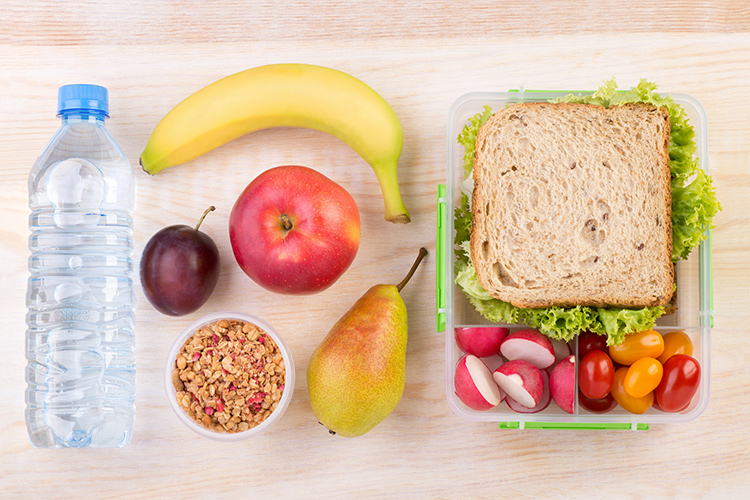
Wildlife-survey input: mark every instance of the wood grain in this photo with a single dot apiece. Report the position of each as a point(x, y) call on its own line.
point(148, 22)
point(421, 57)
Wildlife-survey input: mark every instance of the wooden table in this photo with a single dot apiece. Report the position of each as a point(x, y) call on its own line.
point(420, 56)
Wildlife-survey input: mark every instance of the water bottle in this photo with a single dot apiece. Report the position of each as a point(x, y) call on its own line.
point(80, 339)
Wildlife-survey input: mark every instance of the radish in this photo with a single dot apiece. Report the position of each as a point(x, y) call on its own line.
point(521, 381)
point(542, 405)
point(493, 362)
point(480, 341)
point(562, 349)
point(529, 345)
point(562, 383)
point(474, 384)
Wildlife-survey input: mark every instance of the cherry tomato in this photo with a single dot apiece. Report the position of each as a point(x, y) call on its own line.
point(682, 376)
point(676, 343)
point(655, 405)
point(589, 341)
point(595, 374)
point(636, 346)
point(631, 404)
point(603, 405)
point(642, 377)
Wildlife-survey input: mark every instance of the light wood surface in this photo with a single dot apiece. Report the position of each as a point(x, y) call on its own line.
point(420, 56)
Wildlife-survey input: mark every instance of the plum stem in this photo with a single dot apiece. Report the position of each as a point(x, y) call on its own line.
point(209, 209)
point(286, 222)
point(422, 255)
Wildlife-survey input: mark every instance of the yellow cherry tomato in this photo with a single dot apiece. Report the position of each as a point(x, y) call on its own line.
point(676, 343)
point(643, 377)
point(636, 346)
point(631, 404)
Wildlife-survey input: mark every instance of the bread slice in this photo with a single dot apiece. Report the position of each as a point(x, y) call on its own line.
point(572, 206)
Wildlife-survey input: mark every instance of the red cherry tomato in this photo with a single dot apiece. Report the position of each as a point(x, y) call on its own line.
point(588, 341)
point(682, 376)
point(596, 374)
point(656, 406)
point(603, 405)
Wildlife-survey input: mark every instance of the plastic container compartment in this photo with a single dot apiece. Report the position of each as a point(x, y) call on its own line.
point(235, 436)
point(694, 295)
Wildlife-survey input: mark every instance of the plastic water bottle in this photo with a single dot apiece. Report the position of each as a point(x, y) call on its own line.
point(81, 302)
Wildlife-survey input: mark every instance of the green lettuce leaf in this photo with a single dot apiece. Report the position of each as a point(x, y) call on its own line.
point(462, 225)
point(693, 207)
point(561, 323)
point(468, 137)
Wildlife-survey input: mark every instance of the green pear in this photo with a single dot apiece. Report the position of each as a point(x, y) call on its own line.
point(355, 377)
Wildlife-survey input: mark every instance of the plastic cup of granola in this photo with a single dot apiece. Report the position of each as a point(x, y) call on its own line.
point(229, 376)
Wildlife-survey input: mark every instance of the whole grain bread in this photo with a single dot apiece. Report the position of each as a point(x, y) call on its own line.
point(572, 206)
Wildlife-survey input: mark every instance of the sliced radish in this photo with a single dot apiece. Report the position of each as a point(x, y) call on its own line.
point(529, 345)
point(562, 349)
point(480, 341)
point(474, 384)
point(493, 362)
point(521, 381)
point(562, 383)
point(542, 405)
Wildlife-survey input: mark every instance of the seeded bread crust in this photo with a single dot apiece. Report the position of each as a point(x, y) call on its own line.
point(572, 206)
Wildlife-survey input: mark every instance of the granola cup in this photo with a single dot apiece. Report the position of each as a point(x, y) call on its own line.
point(229, 376)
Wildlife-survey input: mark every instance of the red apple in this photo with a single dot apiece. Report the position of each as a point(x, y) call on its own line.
point(294, 231)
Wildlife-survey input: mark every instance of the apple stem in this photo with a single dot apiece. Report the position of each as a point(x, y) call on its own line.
point(209, 209)
point(286, 222)
point(422, 255)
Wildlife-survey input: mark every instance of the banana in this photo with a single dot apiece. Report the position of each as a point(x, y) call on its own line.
point(284, 95)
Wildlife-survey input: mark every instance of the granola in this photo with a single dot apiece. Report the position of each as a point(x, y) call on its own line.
point(229, 376)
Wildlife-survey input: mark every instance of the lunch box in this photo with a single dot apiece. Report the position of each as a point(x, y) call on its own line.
point(694, 314)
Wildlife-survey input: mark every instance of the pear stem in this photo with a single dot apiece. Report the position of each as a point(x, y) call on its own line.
point(209, 209)
point(422, 255)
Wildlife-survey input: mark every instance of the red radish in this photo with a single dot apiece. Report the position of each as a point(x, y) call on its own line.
point(521, 381)
point(562, 349)
point(475, 386)
point(542, 405)
point(562, 383)
point(482, 341)
point(493, 362)
point(529, 345)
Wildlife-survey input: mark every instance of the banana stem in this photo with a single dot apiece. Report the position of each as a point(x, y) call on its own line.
point(422, 255)
point(209, 209)
point(395, 211)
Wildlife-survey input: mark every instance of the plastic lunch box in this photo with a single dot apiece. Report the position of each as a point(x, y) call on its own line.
point(694, 294)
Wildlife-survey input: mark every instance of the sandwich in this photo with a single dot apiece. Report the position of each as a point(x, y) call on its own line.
point(575, 211)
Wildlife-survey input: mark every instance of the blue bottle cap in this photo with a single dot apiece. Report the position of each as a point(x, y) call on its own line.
point(82, 98)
